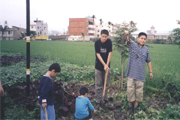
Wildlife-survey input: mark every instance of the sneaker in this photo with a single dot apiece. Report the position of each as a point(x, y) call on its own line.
point(130, 111)
point(135, 110)
point(98, 105)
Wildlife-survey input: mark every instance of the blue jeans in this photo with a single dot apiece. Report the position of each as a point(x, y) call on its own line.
point(50, 113)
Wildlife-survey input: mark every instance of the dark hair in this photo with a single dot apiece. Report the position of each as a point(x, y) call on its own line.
point(83, 91)
point(104, 31)
point(142, 33)
point(56, 67)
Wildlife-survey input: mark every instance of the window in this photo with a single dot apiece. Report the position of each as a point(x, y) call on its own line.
point(9, 32)
point(32, 27)
point(38, 27)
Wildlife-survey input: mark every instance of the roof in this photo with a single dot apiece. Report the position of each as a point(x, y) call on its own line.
point(152, 27)
point(89, 17)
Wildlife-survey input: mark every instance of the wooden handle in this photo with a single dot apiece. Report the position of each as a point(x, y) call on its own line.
point(105, 82)
point(46, 113)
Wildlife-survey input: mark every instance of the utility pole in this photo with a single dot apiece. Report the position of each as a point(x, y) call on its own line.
point(28, 47)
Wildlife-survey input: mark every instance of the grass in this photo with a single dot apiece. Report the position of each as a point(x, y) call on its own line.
point(72, 52)
point(165, 58)
point(165, 64)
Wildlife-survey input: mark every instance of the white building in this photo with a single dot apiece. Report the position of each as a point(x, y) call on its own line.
point(40, 28)
point(110, 28)
point(33, 27)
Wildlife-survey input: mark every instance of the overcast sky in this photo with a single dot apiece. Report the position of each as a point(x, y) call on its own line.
point(162, 14)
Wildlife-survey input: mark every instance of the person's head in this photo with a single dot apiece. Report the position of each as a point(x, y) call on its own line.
point(104, 35)
point(83, 91)
point(54, 69)
point(142, 38)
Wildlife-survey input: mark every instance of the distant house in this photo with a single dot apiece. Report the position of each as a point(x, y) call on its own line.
point(40, 28)
point(14, 33)
point(108, 26)
point(152, 35)
point(86, 28)
point(79, 27)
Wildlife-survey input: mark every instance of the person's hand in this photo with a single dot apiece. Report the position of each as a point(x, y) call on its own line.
point(44, 105)
point(1, 91)
point(150, 75)
point(94, 111)
point(126, 32)
point(38, 103)
point(106, 68)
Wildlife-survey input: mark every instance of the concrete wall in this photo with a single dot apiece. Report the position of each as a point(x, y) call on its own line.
point(17, 32)
point(79, 38)
point(60, 38)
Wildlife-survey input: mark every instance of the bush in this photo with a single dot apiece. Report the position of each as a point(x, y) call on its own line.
point(159, 41)
point(171, 112)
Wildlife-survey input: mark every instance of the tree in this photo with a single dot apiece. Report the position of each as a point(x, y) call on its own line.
point(170, 39)
point(176, 34)
point(32, 33)
point(120, 42)
point(93, 18)
point(101, 21)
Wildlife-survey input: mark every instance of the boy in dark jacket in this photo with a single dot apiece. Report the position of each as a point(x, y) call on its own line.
point(45, 92)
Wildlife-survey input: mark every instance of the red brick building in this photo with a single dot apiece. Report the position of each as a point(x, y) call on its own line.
point(77, 26)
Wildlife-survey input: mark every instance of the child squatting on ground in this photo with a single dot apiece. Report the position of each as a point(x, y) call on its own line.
point(138, 56)
point(83, 105)
point(45, 92)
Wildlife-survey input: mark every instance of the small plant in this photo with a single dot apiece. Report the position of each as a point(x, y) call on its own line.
point(171, 112)
point(120, 42)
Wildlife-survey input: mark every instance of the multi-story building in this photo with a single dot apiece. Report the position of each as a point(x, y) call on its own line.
point(33, 27)
point(87, 27)
point(14, 33)
point(152, 35)
point(80, 28)
point(41, 29)
point(111, 28)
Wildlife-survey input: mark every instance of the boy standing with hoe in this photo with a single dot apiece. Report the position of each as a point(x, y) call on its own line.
point(45, 92)
point(138, 55)
point(103, 51)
